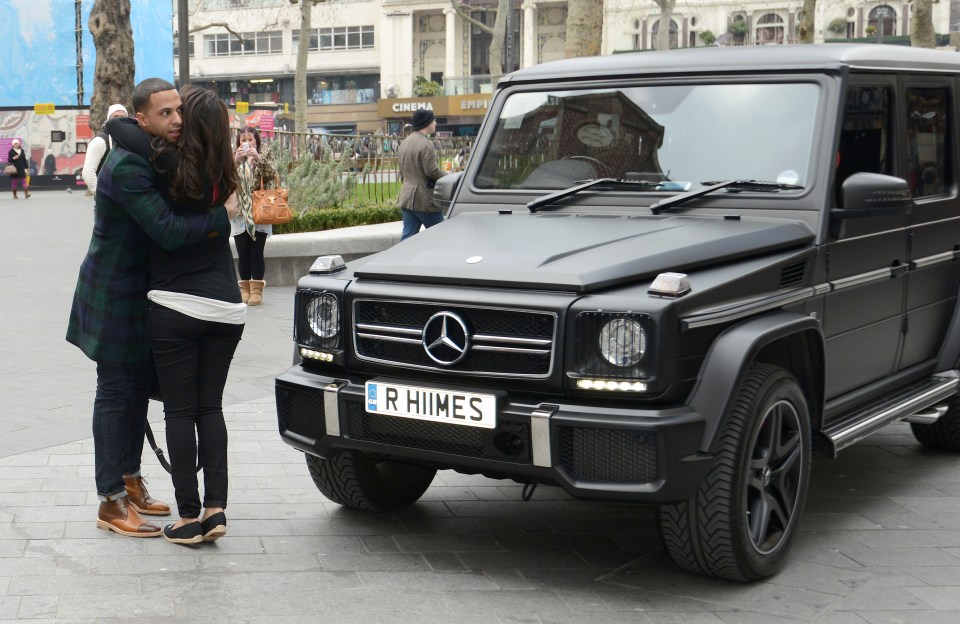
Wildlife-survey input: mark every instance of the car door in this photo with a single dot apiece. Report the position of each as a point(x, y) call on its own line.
point(866, 257)
point(929, 109)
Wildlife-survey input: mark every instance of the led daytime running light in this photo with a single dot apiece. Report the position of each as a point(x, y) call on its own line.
point(611, 385)
point(310, 354)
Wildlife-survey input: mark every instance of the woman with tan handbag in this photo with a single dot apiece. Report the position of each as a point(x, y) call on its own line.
point(18, 161)
point(256, 171)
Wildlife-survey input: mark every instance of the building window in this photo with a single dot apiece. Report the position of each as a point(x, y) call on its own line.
point(225, 44)
point(338, 38)
point(176, 46)
point(769, 29)
point(884, 20)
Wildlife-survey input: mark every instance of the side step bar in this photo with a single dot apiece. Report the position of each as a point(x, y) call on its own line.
point(861, 423)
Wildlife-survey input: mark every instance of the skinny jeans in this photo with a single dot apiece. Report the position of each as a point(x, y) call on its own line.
point(250, 262)
point(192, 358)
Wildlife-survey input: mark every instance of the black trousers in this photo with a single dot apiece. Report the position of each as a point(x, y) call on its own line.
point(192, 358)
point(250, 262)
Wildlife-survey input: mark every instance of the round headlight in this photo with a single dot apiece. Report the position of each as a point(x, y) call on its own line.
point(622, 342)
point(323, 316)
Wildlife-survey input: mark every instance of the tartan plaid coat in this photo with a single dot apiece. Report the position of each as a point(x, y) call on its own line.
point(108, 317)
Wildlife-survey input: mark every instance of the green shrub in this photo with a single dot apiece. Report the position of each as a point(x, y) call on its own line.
point(317, 220)
point(838, 26)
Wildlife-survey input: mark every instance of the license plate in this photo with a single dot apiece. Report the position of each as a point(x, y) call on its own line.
point(432, 404)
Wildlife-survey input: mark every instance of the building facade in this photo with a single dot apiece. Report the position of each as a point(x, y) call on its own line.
point(366, 56)
point(635, 24)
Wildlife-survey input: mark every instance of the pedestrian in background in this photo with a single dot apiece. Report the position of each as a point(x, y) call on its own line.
point(417, 161)
point(18, 158)
point(97, 149)
point(255, 170)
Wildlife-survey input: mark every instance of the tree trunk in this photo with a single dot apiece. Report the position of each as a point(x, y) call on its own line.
point(663, 28)
point(300, 79)
point(497, 34)
point(113, 75)
point(584, 28)
point(806, 26)
point(921, 25)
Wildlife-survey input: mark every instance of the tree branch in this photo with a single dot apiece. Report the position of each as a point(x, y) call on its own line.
point(464, 12)
point(230, 29)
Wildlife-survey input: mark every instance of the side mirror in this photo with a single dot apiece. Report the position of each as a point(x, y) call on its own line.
point(445, 189)
point(873, 195)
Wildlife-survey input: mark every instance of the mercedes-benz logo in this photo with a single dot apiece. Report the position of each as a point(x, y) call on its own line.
point(446, 338)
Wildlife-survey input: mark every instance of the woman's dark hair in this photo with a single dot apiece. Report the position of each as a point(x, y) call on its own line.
point(250, 130)
point(205, 156)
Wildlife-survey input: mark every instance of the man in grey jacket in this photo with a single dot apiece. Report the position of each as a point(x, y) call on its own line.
point(417, 160)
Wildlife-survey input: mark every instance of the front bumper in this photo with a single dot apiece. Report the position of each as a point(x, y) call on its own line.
point(592, 452)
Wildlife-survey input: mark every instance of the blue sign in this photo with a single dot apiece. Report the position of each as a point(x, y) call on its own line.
point(38, 47)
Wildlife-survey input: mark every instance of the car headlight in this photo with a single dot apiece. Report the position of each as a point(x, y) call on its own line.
point(318, 321)
point(612, 351)
point(622, 342)
point(323, 316)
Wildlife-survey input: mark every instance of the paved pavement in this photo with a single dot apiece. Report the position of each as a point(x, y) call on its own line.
point(879, 542)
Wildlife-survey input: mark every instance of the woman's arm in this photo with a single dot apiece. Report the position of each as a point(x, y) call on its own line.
point(95, 151)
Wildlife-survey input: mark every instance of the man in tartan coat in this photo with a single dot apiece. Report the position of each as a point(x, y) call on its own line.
point(108, 318)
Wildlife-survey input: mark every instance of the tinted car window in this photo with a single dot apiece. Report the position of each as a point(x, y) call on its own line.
point(689, 134)
point(927, 134)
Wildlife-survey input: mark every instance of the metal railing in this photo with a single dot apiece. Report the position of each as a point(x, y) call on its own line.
point(371, 159)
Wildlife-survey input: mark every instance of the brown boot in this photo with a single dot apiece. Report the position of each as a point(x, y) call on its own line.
point(15, 194)
point(141, 500)
point(244, 290)
point(256, 292)
point(120, 517)
point(26, 193)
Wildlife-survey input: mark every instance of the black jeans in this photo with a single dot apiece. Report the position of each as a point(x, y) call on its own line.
point(192, 359)
point(250, 263)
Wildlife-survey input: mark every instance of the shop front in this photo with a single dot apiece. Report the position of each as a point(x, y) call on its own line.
point(458, 115)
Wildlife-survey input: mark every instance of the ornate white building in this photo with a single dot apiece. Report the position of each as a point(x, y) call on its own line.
point(366, 51)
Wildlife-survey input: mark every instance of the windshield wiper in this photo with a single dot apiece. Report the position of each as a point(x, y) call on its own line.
point(733, 185)
point(540, 202)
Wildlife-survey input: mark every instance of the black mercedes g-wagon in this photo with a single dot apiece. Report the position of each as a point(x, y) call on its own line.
point(667, 278)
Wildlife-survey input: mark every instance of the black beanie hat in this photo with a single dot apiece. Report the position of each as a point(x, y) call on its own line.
point(422, 118)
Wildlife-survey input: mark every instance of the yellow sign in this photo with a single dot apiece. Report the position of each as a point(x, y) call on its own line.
point(286, 107)
point(44, 109)
point(243, 107)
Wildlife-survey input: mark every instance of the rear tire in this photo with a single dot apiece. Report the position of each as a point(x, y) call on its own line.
point(739, 524)
point(353, 479)
point(944, 434)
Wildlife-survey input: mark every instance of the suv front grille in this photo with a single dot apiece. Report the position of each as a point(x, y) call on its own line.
point(300, 411)
point(503, 342)
point(509, 442)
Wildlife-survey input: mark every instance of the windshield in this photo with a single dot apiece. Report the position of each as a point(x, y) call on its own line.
point(689, 134)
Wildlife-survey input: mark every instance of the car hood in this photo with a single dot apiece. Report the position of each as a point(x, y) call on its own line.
point(577, 253)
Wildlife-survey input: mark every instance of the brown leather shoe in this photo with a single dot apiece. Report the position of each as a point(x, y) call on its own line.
point(119, 516)
point(141, 500)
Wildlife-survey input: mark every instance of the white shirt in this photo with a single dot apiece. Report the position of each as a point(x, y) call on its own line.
point(95, 151)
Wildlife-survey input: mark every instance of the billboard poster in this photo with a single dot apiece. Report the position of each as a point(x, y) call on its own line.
point(38, 47)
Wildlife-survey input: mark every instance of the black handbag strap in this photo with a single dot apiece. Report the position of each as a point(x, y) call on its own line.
point(159, 451)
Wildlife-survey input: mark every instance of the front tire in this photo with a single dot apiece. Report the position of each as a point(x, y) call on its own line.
point(354, 479)
point(739, 524)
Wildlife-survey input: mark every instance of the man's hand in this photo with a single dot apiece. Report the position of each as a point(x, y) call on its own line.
point(231, 205)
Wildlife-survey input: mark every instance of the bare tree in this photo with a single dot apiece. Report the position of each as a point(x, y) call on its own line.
point(303, 53)
point(584, 28)
point(497, 32)
point(113, 74)
point(921, 25)
point(805, 29)
point(663, 27)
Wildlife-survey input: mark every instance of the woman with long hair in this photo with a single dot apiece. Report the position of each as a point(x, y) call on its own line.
point(196, 315)
point(255, 170)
